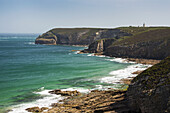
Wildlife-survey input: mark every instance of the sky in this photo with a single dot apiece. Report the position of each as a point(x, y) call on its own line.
point(39, 16)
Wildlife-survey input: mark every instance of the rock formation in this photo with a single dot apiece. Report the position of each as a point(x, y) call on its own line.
point(149, 92)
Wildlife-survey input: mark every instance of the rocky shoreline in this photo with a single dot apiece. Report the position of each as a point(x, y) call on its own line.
point(110, 101)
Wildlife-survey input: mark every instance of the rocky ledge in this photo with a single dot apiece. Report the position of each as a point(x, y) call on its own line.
point(111, 101)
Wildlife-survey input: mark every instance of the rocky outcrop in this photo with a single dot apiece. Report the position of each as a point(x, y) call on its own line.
point(65, 93)
point(78, 36)
point(36, 109)
point(94, 102)
point(149, 92)
point(99, 46)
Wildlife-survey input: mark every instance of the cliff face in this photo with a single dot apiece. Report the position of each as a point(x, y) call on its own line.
point(151, 43)
point(99, 46)
point(78, 36)
point(147, 50)
point(149, 92)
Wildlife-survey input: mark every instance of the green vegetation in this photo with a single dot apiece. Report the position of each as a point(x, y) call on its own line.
point(156, 75)
point(143, 34)
point(74, 30)
point(136, 30)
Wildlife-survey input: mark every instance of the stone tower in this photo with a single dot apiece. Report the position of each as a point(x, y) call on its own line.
point(143, 24)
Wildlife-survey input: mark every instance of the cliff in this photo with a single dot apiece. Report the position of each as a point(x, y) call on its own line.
point(126, 42)
point(149, 92)
point(148, 43)
point(78, 36)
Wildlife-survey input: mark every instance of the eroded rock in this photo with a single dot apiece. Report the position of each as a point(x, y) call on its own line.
point(65, 93)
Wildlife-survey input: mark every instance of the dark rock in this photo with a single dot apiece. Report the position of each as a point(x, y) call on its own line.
point(149, 92)
point(34, 109)
point(65, 93)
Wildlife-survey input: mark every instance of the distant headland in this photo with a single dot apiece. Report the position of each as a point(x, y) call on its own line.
point(127, 42)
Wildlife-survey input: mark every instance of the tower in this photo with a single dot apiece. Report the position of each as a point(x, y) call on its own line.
point(143, 24)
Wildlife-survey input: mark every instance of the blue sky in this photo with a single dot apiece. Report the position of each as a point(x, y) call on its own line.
point(38, 16)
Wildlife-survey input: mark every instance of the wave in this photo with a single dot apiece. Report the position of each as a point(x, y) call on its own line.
point(117, 75)
point(46, 101)
point(91, 54)
point(114, 78)
point(30, 43)
point(120, 60)
point(97, 55)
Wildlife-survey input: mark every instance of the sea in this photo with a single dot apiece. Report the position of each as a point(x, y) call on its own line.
point(29, 71)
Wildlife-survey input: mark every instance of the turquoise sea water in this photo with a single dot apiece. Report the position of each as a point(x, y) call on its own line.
point(26, 68)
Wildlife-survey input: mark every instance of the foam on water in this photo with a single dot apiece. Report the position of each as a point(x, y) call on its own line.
point(117, 75)
point(120, 60)
point(46, 101)
point(91, 54)
point(31, 43)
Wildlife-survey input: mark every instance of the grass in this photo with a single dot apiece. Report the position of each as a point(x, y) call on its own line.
point(144, 35)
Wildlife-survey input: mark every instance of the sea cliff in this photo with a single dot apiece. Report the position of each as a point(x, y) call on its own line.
point(126, 42)
point(78, 36)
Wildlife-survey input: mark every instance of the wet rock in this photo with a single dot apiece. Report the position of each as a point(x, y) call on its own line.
point(34, 109)
point(137, 72)
point(94, 102)
point(65, 93)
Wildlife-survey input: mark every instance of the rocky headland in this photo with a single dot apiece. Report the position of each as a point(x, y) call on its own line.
point(124, 42)
point(78, 36)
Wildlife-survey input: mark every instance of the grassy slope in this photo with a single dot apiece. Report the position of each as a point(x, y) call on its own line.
point(143, 34)
point(74, 30)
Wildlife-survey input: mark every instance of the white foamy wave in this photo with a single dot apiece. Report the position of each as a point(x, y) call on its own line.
point(91, 54)
point(81, 90)
point(101, 87)
point(100, 55)
point(120, 60)
point(30, 43)
point(123, 73)
point(76, 52)
point(46, 101)
point(97, 55)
